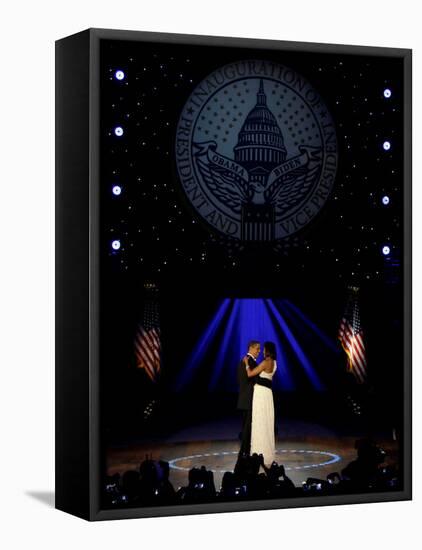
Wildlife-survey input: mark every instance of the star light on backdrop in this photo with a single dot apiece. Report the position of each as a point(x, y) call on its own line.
point(119, 75)
point(359, 95)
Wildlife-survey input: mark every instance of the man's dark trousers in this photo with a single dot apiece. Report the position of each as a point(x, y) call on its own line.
point(244, 403)
point(245, 446)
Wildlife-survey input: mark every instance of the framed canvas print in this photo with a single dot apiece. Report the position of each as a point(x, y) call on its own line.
point(233, 280)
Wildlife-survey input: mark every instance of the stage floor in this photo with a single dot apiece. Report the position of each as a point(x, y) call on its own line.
point(306, 450)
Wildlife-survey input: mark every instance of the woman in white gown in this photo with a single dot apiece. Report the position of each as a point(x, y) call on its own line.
point(262, 432)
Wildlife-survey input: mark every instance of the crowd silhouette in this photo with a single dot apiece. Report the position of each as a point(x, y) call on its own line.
point(150, 484)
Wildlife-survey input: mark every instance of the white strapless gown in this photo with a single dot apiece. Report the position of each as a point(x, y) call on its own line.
point(262, 434)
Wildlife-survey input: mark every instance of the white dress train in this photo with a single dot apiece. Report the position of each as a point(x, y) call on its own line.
point(262, 431)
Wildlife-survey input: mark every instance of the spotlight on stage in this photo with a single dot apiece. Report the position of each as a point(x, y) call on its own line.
point(116, 190)
point(115, 245)
point(386, 250)
point(236, 321)
point(385, 200)
point(387, 93)
point(386, 145)
point(118, 131)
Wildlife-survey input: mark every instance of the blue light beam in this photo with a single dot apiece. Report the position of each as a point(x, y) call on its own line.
point(226, 347)
point(255, 323)
point(329, 342)
point(202, 346)
point(304, 361)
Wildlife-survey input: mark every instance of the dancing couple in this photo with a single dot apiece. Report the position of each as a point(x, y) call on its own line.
point(256, 401)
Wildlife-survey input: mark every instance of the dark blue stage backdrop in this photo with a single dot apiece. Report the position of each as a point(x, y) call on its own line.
point(306, 356)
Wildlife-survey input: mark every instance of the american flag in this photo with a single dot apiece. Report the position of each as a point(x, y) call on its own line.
point(147, 341)
point(351, 337)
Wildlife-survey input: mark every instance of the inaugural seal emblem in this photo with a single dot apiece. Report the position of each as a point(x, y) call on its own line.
point(256, 151)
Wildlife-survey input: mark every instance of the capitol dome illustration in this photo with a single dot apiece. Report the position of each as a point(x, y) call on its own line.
point(260, 146)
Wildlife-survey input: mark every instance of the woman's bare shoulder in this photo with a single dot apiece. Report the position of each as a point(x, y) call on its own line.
point(269, 364)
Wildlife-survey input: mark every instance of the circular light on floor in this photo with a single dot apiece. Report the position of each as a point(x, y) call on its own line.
point(332, 459)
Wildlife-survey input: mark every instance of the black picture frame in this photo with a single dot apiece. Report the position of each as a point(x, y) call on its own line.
point(78, 307)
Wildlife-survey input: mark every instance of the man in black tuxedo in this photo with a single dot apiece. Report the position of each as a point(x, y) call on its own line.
point(244, 402)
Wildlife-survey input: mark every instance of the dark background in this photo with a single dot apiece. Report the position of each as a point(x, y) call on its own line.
point(164, 242)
